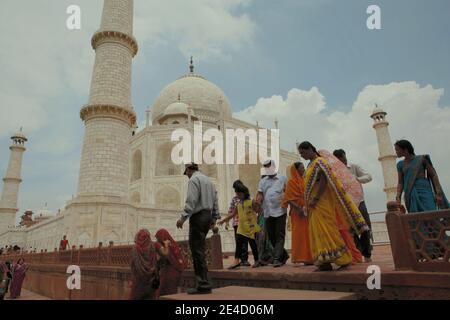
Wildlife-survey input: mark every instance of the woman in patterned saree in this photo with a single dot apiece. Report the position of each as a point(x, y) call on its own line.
point(418, 179)
point(355, 191)
point(324, 195)
point(171, 266)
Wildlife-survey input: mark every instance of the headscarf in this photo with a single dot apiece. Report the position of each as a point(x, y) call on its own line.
point(295, 189)
point(349, 182)
point(144, 255)
point(176, 257)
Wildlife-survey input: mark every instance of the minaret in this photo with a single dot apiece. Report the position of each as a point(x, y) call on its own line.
point(387, 155)
point(109, 116)
point(11, 182)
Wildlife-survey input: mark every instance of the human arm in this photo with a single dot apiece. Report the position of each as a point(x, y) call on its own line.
point(259, 198)
point(362, 175)
point(215, 211)
point(398, 198)
point(297, 208)
point(431, 173)
point(229, 216)
point(164, 249)
point(193, 194)
point(322, 181)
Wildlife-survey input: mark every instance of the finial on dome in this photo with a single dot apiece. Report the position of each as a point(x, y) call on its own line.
point(191, 67)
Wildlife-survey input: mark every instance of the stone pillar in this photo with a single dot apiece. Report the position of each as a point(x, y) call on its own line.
point(11, 182)
point(109, 116)
point(387, 155)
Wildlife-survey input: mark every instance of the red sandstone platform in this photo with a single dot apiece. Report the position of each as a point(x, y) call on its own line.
point(394, 284)
point(246, 293)
point(28, 295)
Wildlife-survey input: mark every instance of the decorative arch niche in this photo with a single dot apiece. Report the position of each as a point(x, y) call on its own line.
point(167, 198)
point(164, 164)
point(136, 172)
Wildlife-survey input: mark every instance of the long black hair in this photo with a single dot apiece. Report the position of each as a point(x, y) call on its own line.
point(305, 145)
point(405, 145)
point(238, 186)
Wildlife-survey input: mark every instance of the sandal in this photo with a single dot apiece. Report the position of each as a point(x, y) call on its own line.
point(234, 266)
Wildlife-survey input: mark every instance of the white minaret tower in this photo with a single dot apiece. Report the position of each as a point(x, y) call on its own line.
point(387, 155)
point(109, 116)
point(11, 182)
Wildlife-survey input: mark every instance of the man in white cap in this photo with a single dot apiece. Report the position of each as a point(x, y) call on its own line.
point(202, 211)
point(270, 195)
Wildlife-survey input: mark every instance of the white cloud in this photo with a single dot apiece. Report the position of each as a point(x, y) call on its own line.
point(207, 29)
point(413, 111)
point(46, 69)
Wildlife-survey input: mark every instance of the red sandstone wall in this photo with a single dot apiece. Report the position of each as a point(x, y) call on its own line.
point(97, 283)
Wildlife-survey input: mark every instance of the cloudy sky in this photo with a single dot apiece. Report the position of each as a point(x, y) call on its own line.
point(312, 64)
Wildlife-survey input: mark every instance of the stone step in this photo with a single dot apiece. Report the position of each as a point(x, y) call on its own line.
point(251, 293)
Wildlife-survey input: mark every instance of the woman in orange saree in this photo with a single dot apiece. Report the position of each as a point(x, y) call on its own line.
point(294, 197)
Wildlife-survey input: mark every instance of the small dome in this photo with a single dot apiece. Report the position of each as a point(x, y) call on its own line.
point(19, 135)
point(176, 108)
point(377, 110)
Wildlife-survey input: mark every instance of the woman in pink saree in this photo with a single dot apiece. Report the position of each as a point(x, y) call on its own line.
point(19, 272)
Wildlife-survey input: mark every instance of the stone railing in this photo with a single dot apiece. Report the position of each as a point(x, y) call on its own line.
point(419, 241)
point(119, 256)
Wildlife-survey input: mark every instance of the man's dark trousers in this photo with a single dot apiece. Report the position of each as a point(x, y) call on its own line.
point(363, 242)
point(199, 225)
point(276, 232)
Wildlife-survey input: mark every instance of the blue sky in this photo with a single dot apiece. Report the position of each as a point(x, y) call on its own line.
point(253, 50)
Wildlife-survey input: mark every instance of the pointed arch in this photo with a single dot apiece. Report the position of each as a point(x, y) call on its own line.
point(136, 172)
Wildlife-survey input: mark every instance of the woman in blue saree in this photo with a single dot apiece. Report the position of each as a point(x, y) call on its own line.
point(418, 179)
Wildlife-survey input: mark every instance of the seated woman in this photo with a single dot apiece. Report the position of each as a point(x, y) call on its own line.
point(247, 225)
point(418, 179)
point(144, 267)
point(171, 266)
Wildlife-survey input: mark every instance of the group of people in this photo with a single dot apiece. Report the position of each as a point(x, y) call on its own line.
point(324, 203)
point(325, 206)
point(11, 278)
point(156, 266)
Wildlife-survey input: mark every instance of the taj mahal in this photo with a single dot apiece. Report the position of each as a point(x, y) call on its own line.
point(127, 179)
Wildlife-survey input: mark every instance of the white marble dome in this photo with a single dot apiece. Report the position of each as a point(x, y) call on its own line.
point(208, 101)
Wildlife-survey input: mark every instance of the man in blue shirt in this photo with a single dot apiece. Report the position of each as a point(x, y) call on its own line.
point(270, 195)
point(202, 211)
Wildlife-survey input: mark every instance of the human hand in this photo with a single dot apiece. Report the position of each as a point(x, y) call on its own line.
point(180, 223)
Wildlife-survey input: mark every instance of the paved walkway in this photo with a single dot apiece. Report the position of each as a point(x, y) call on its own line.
point(381, 256)
point(244, 293)
point(28, 295)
